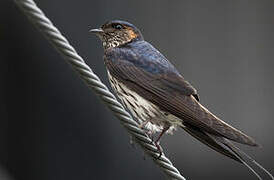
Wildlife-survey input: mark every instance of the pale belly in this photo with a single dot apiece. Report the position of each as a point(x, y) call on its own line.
point(144, 111)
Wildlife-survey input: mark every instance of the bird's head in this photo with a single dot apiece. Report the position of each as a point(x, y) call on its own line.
point(116, 33)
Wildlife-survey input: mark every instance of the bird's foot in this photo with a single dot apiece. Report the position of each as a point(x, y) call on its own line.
point(157, 142)
point(159, 149)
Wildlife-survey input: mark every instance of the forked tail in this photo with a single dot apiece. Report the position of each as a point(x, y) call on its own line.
point(225, 147)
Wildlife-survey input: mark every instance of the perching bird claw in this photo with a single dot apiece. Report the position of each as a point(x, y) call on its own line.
point(159, 148)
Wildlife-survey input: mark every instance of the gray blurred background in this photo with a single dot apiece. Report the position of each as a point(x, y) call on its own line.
point(52, 127)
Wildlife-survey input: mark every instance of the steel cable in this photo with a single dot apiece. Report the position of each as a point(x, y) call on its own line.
point(46, 27)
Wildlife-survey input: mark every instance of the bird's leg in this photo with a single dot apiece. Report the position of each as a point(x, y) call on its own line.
point(157, 142)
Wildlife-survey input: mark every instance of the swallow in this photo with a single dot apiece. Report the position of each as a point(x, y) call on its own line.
point(158, 96)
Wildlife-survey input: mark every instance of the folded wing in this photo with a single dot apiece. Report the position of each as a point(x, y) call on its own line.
point(170, 92)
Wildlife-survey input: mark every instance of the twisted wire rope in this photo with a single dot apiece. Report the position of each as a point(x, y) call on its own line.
point(46, 27)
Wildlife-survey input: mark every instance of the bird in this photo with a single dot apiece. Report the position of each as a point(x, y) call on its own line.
point(158, 96)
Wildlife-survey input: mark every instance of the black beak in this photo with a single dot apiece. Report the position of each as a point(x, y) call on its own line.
point(96, 31)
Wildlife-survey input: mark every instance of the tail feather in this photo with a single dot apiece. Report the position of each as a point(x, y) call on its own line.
point(225, 147)
point(243, 154)
point(209, 141)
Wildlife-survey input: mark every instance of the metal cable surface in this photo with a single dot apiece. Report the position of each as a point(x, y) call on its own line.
point(37, 17)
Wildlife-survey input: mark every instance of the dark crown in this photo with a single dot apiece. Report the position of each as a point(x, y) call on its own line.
point(115, 33)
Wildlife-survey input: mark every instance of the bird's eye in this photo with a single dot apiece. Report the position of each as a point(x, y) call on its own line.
point(117, 26)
